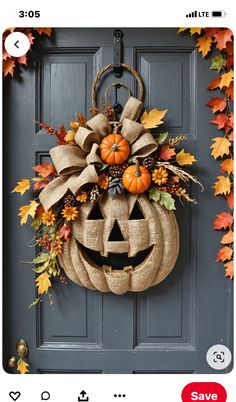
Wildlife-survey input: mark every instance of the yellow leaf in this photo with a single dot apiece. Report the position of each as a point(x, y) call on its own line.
point(222, 186)
point(153, 118)
point(27, 210)
point(184, 158)
point(204, 44)
point(228, 237)
point(195, 31)
point(220, 147)
point(70, 136)
point(182, 29)
point(43, 282)
point(22, 367)
point(74, 124)
point(22, 186)
point(226, 79)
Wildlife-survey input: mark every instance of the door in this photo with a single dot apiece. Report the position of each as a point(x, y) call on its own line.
point(170, 327)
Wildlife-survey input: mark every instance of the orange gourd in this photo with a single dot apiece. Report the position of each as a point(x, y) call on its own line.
point(114, 149)
point(136, 179)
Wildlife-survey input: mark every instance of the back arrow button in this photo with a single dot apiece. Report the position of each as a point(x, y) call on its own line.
point(15, 44)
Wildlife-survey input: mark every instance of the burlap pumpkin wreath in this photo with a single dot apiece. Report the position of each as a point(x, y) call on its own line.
point(117, 164)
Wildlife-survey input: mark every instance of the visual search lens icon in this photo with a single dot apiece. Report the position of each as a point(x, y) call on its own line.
point(219, 357)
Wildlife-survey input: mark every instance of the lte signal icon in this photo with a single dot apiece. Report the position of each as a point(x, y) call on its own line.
point(192, 15)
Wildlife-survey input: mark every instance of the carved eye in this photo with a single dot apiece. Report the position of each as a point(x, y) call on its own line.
point(116, 234)
point(136, 213)
point(95, 213)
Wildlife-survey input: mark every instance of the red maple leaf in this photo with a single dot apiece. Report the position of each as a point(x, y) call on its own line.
point(229, 123)
point(230, 61)
point(221, 120)
point(61, 135)
point(39, 185)
point(45, 169)
point(217, 104)
point(166, 152)
point(214, 83)
point(230, 200)
point(225, 253)
point(223, 220)
point(222, 36)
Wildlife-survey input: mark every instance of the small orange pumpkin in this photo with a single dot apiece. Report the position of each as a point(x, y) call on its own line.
point(136, 179)
point(114, 149)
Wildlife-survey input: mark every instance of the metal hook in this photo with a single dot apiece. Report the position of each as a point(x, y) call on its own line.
point(118, 34)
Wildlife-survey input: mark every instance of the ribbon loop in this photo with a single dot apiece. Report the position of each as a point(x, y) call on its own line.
point(100, 125)
point(85, 138)
point(131, 130)
point(132, 109)
point(68, 159)
point(144, 146)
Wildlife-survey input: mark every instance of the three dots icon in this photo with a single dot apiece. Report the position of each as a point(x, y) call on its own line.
point(119, 395)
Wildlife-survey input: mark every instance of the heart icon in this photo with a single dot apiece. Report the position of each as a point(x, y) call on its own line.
point(14, 395)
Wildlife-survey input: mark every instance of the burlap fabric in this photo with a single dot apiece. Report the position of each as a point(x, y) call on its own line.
point(158, 231)
point(76, 166)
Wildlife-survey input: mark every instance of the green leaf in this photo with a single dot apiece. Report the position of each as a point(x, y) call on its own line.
point(154, 194)
point(167, 201)
point(36, 223)
point(217, 63)
point(162, 137)
point(131, 160)
point(43, 257)
point(103, 167)
point(40, 269)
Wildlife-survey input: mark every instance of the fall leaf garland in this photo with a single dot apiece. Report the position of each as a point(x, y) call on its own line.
point(222, 147)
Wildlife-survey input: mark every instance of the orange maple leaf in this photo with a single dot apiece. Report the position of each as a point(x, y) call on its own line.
point(166, 152)
point(217, 104)
point(221, 120)
point(229, 269)
point(230, 200)
point(204, 44)
point(45, 169)
point(223, 220)
point(225, 253)
point(222, 36)
point(214, 83)
point(228, 238)
point(8, 67)
point(22, 60)
point(229, 91)
point(227, 166)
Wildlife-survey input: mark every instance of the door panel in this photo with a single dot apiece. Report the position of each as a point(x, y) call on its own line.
point(85, 331)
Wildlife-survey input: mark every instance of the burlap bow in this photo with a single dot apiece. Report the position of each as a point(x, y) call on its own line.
point(75, 164)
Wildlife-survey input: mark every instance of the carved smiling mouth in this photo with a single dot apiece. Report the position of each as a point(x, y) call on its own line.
point(115, 260)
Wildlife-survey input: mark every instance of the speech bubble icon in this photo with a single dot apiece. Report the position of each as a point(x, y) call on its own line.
point(45, 396)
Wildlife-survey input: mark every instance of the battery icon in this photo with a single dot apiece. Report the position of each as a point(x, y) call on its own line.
point(220, 13)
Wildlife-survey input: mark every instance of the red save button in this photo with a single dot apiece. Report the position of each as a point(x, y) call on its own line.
point(204, 391)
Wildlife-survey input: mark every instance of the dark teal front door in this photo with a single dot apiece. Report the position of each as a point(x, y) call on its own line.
point(168, 328)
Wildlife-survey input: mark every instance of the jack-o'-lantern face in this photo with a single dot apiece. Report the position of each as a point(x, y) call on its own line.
point(121, 244)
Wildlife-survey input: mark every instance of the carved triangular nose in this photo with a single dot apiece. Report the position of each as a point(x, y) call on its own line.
point(116, 234)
